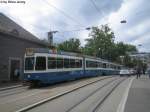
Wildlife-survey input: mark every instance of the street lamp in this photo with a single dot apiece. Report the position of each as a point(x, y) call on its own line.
point(123, 21)
point(139, 46)
point(88, 28)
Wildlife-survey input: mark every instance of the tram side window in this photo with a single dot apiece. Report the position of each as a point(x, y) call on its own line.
point(111, 66)
point(92, 64)
point(29, 63)
point(40, 63)
point(89, 64)
point(60, 63)
point(66, 63)
point(72, 63)
point(104, 65)
point(107, 65)
point(78, 63)
point(51, 62)
point(96, 64)
point(99, 64)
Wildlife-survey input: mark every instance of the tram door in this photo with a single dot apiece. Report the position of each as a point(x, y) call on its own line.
point(14, 69)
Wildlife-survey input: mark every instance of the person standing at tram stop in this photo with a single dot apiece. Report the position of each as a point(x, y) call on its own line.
point(148, 73)
point(17, 74)
point(138, 72)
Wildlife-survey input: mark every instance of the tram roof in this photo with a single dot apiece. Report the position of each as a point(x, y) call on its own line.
point(50, 51)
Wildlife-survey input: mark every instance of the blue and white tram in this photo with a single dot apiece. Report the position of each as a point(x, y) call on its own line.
point(46, 67)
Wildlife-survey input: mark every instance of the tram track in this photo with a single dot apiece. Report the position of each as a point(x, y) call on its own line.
point(98, 89)
point(107, 89)
point(29, 107)
point(96, 108)
point(13, 90)
point(78, 107)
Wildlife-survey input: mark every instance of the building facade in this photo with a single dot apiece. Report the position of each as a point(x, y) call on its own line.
point(13, 41)
point(143, 56)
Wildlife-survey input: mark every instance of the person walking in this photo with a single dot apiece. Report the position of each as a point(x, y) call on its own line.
point(138, 75)
point(17, 74)
point(148, 73)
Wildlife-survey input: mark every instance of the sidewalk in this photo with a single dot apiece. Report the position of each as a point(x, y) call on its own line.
point(139, 96)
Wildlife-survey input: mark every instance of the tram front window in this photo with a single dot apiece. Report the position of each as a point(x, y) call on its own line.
point(40, 63)
point(29, 63)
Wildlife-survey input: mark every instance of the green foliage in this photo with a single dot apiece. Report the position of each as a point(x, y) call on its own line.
point(128, 62)
point(101, 44)
point(71, 45)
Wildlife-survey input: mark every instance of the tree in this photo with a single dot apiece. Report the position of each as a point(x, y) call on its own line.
point(71, 45)
point(101, 42)
point(124, 49)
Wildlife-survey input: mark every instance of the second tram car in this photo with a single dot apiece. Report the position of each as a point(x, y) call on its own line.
point(44, 66)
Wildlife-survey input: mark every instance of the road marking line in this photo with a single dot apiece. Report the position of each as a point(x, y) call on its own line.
point(123, 101)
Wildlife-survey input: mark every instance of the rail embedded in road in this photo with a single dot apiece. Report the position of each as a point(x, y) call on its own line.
point(107, 89)
point(57, 96)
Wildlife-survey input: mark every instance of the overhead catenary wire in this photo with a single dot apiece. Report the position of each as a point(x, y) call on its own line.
point(75, 30)
point(63, 13)
point(97, 9)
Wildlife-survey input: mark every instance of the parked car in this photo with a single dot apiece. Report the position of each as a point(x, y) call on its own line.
point(125, 72)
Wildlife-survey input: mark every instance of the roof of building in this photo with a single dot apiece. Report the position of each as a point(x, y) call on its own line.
point(10, 27)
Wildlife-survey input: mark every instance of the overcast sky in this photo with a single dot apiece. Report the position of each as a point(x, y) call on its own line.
point(41, 16)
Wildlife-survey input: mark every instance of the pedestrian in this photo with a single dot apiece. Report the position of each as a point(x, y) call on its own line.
point(17, 74)
point(148, 73)
point(138, 72)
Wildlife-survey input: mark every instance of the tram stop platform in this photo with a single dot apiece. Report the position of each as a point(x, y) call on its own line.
point(139, 95)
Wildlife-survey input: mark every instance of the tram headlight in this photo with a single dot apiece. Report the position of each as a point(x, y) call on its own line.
point(28, 76)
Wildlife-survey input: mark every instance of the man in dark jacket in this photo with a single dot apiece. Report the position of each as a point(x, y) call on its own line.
point(138, 72)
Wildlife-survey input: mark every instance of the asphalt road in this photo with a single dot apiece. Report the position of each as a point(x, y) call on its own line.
point(82, 100)
point(131, 95)
point(14, 102)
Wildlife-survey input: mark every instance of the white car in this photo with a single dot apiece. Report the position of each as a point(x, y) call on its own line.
point(125, 72)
